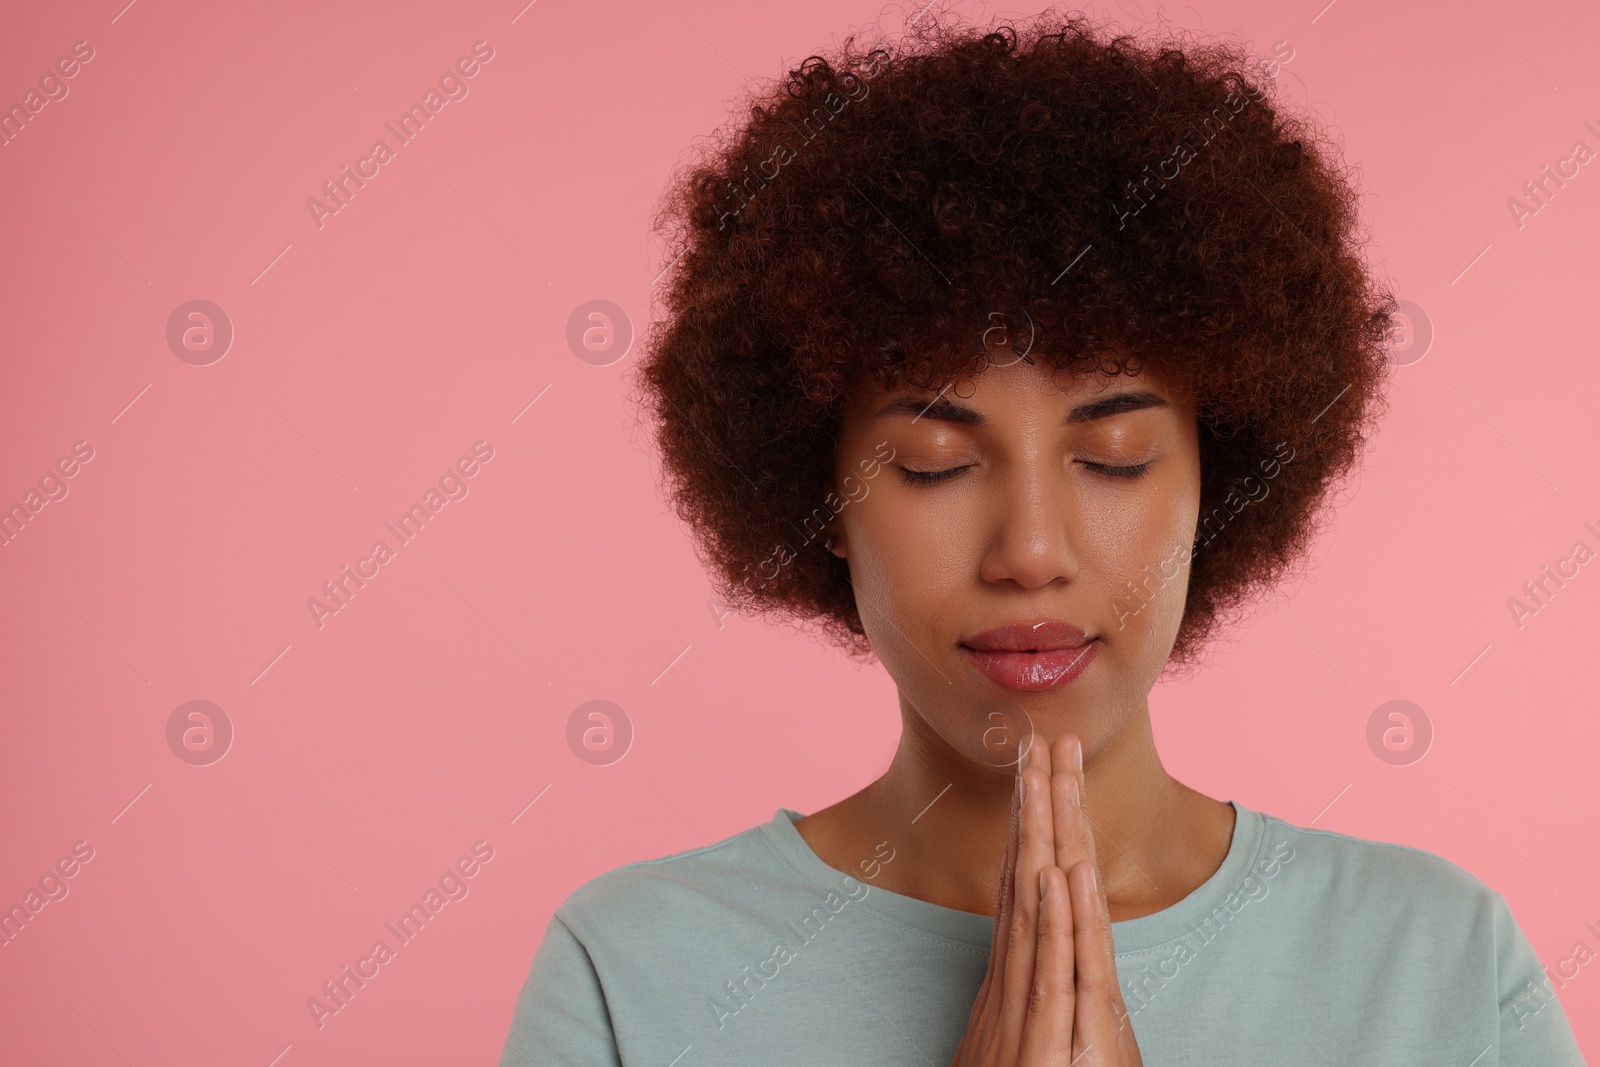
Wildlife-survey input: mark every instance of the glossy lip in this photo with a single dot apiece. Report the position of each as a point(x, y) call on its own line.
point(1033, 670)
point(1044, 654)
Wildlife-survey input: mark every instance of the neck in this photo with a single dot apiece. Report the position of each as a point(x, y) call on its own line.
point(949, 818)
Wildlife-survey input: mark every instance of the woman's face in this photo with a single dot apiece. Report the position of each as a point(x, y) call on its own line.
point(1012, 499)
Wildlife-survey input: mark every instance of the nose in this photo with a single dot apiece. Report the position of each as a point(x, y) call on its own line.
point(1032, 540)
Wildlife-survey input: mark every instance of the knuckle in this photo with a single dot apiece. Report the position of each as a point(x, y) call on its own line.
point(1039, 996)
point(1097, 987)
point(1018, 933)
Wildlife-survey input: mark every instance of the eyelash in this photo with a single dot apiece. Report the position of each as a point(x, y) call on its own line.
point(1120, 472)
point(930, 477)
point(933, 477)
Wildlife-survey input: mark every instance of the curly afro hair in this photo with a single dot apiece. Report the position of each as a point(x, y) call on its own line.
point(1125, 205)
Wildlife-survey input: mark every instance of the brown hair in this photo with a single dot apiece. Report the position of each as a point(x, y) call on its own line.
point(1123, 204)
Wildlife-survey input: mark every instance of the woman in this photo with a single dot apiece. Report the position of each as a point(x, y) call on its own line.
point(1019, 360)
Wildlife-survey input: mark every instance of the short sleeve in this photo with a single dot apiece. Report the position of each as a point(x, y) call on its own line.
point(561, 1014)
point(1534, 1031)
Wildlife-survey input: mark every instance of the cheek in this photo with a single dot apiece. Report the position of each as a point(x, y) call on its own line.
point(1140, 557)
point(905, 562)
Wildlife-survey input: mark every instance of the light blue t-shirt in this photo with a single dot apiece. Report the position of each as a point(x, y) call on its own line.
point(1304, 947)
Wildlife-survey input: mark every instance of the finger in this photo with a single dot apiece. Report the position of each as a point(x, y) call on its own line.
point(1066, 794)
point(1066, 752)
point(1047, 1029)
point(989, 991)
point(1099, 1016)
point(1085, 835)
point(1035, 851)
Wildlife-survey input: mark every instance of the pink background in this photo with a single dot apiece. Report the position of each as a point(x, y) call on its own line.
point(369, 354)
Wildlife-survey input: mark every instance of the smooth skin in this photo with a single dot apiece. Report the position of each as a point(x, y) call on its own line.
point(1035, 513)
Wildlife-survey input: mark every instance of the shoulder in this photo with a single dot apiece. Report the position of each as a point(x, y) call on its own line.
point(664, 892)
point(1397, 864)
point(611, 938)
point(1401, 882)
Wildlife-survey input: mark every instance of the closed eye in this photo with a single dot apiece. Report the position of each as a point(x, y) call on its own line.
point(1118, 472)
point(931, 477)
point(934, 477)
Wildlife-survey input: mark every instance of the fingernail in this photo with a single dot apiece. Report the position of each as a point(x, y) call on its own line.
point(1077, 752)
point(1022, 789)
point(1072, 790)
point(1044, 884)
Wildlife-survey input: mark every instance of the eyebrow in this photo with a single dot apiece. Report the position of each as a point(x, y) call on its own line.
point(943, 410)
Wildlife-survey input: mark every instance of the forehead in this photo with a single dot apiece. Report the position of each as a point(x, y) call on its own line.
point(1084, 396)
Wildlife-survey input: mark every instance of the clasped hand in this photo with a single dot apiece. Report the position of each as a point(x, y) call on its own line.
point(1050, 997)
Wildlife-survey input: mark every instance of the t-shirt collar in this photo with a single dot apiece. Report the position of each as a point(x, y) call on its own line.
point(1131, 935)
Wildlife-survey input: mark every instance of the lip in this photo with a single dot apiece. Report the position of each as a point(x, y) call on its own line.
point(1033, 670)
point(1044, 654)
point(1037, 635)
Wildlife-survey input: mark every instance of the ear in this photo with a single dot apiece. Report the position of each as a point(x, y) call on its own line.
point(833, 537)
